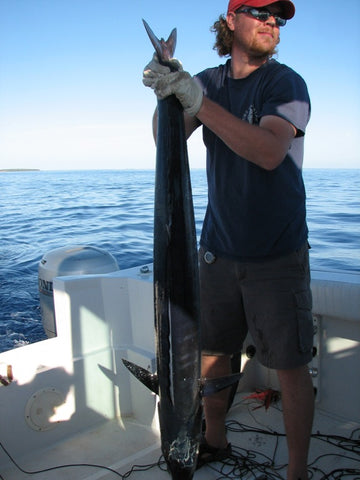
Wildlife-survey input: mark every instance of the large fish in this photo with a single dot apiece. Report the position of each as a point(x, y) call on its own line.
point(176, 292)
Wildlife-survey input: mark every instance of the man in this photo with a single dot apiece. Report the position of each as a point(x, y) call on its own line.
point(254, 265)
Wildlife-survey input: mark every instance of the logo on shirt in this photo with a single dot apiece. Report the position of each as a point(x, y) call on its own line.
point(251, 116)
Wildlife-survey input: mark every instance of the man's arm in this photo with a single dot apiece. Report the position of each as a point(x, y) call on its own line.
point(265, 144)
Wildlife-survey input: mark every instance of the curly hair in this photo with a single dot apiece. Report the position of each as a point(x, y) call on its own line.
point(224, 37)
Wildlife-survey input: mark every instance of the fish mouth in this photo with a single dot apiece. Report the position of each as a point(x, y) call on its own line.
point(179, 472)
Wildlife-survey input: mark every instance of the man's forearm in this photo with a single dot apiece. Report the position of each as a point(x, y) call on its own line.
point(265, 145)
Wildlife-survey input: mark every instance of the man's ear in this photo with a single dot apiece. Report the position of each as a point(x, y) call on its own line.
point(230, 19)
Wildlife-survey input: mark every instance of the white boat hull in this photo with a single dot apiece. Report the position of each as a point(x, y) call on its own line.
point(72, 400)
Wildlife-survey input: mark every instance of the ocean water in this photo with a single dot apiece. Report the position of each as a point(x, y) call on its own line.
point(113, 210)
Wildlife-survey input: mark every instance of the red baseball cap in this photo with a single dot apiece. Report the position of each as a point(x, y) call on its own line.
point(287, 6)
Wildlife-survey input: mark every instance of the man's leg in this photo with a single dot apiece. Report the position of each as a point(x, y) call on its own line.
point(298, 409)
point(215, 406)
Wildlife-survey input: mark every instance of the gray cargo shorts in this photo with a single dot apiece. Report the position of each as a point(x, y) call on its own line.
point(271, 299)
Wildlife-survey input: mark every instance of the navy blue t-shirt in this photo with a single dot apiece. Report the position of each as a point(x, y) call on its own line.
point(253, 213)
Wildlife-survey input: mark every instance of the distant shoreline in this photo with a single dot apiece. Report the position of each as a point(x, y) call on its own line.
point(19, 170)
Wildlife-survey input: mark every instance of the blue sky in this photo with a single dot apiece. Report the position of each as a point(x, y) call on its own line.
point(71, 95)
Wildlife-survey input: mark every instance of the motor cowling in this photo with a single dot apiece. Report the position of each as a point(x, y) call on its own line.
point(76, 260)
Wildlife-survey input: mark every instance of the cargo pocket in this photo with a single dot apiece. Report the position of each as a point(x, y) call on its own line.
point(303, 301)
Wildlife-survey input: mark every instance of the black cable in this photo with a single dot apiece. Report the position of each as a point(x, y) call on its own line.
point(350, 444)
point(243, 461)
point(134, 468)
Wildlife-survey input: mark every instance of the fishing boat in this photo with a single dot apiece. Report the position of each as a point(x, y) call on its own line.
point(70, 409)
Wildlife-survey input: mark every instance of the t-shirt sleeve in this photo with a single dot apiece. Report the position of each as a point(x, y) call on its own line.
point(287, 97)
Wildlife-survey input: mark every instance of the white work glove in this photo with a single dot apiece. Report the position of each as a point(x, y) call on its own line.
point(154, 70)
point(179, 83)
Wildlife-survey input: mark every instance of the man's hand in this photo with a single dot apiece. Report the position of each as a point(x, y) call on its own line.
point(164, 82)
point(154, 70)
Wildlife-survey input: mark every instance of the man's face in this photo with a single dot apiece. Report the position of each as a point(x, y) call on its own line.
point(254, 37)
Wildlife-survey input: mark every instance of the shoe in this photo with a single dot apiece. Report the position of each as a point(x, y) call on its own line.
point(208, 454)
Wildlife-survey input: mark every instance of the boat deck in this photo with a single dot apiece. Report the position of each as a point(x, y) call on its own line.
point(132, 450)
point(55, 415)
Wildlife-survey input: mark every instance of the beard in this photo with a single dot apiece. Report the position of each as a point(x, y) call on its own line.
point(257, 49)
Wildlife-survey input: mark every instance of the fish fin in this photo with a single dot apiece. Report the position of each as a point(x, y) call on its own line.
point(214, 385)
point(165, 50)
point(171, 42)
point(150, 380)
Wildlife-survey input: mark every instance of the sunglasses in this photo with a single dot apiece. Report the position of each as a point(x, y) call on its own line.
point(263, 15)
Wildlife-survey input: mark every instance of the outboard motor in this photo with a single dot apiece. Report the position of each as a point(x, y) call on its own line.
point(77, 260)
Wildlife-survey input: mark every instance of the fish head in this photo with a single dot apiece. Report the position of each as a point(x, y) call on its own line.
point(181, 457)
point(181, 442)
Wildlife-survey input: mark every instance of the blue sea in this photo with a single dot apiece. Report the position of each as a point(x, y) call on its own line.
point(113, 210)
